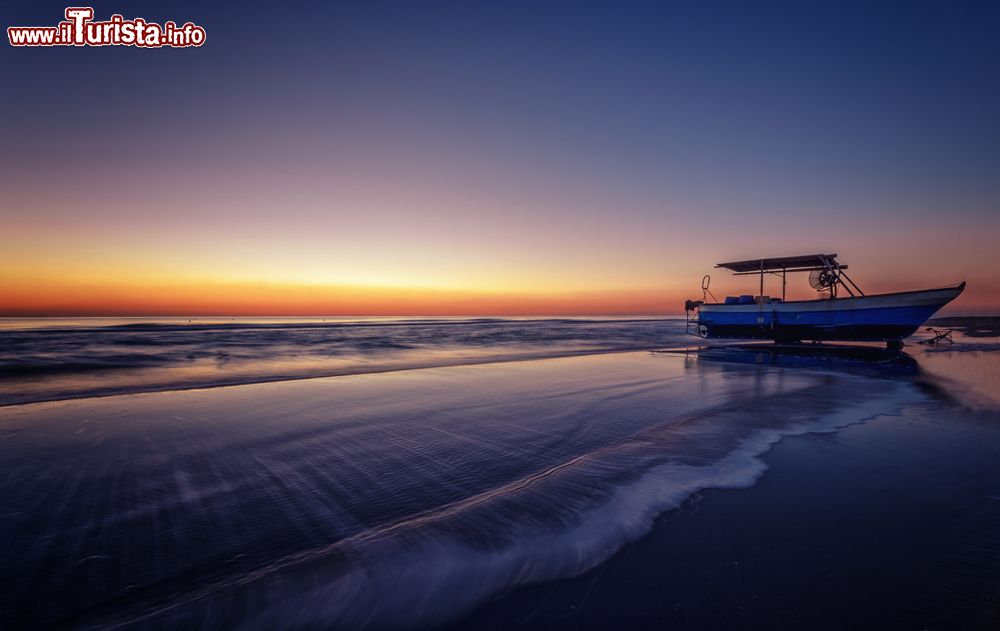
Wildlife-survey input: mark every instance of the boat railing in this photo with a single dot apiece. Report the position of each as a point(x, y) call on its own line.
point(691, 317)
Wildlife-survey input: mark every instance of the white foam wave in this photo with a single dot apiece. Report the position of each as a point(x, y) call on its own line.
point(430, 569)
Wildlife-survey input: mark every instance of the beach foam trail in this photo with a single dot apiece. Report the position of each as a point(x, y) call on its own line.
point(377, 501)
point(45, 360)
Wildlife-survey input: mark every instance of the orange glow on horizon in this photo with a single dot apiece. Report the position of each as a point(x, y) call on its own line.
point(249, 299)
point(289, 299)
point(154, 267)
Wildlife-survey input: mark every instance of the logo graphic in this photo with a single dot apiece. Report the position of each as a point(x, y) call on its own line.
point(80, 29)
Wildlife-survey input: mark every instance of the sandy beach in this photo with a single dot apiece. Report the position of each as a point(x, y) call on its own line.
point(890, 524)
point(677, 489)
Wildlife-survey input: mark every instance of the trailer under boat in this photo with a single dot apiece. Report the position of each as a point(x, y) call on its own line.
point(853, 317)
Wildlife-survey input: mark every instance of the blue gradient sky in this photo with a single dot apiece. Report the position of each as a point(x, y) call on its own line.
point(497, 157)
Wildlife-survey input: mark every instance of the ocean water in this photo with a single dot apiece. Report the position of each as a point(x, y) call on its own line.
point(47, 359)
point(401, 499)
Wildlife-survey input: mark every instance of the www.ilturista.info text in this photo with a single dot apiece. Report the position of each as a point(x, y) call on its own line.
point(80, 29)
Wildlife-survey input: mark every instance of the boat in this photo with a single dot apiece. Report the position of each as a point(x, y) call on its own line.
point(843, 312)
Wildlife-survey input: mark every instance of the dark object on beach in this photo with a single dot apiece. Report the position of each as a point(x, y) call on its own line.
point(854, 317)
point(971, 326)
point(940, 335)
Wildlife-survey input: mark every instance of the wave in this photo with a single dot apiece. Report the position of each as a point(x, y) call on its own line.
point(456, 525)
point(414, 574)
point(51, 363)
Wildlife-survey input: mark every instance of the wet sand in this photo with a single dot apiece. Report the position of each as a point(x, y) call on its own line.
point(892, 524)
point(635, 489)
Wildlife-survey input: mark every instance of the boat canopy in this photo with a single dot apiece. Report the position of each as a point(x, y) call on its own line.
point(803, 263)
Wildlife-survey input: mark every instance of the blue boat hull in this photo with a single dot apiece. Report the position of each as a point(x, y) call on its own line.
point(877, 318)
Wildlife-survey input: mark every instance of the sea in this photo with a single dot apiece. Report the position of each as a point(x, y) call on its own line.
point(426, 473)
point(55, 358)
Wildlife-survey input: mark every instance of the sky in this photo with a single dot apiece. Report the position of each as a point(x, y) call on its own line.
point(496, 158)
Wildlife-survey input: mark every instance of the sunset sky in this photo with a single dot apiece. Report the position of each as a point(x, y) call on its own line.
point(350, 158)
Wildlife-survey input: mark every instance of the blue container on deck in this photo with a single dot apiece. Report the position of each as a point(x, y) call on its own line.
point(732, 300)
point(746, 300)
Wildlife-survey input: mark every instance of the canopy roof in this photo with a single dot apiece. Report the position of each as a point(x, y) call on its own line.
point(801, 263)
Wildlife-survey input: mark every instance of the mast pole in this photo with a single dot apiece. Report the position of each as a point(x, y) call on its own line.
point(762, 278)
